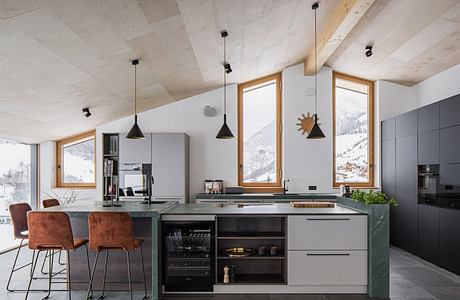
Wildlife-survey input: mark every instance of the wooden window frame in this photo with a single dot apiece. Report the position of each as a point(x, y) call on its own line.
point(370, 136)
point(67, 140)
point(261, 187)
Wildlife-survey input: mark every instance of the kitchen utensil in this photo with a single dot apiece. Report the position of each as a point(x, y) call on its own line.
point(312, 204)
point(239, 252)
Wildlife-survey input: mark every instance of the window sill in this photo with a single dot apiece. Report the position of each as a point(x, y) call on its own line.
point(74, 187)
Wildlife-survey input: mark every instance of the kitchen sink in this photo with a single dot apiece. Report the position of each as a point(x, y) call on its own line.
point(285, 194)
point(239, 205)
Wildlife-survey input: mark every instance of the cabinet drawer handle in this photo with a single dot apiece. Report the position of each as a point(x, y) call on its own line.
point(328, 219)
point(328, 254)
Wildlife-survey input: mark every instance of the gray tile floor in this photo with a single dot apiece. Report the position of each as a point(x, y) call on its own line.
point(410, 278)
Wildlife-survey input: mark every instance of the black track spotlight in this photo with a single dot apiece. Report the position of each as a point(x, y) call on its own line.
point(86, 112)
point(368, 51)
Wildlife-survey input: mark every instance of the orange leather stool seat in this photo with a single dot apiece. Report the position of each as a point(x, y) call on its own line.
point(50, 203)
point(52, 231)
point(113, 231)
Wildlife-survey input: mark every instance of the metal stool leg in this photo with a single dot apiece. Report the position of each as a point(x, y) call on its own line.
point(69, 281)
point(32, 271)
point(44, 261)
point(13, 268)
point(105, 275)
point(143, 273)
point(92, 275)
point(129, 276)
point(89, 271)
point(50, 272)
point(62, 263)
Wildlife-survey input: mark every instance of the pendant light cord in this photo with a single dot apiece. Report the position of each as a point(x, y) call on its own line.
point(225, 79)
point(135, 89)
point(316, 71)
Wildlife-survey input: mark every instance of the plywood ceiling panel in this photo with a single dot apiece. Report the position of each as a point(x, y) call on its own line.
point(58, 56)
point(404, 34)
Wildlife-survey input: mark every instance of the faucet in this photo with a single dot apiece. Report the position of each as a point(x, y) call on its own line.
point(285, 189)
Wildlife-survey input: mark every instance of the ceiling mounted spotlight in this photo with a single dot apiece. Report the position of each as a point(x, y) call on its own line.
point(86, 112)
point(368, 51)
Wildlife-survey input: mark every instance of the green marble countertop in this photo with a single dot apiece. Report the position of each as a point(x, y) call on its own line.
point(257, 209)
point(287, 196)
point(134, 208)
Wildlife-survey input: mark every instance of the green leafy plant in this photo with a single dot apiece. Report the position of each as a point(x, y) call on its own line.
point(372, 197)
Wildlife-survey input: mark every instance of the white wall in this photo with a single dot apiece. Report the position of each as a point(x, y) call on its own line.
point(307, 162)
point(210, 158)
point(394, 99)
point(438, 87)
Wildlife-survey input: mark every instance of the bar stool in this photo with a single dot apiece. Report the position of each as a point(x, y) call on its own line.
point(113, 231)
point(51, 203)
point(51, 231)
point(18, 214)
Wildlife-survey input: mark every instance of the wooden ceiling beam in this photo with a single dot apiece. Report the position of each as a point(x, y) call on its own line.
point(339, 25)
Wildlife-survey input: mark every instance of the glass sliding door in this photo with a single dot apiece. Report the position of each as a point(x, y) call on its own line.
point(17, 174)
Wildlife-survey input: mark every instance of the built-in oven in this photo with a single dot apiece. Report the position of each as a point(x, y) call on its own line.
point(188, 253)
point(449, 196)
point(428, 184)
point(135, 181)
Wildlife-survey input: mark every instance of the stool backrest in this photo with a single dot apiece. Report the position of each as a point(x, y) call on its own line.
point(50, 203)
point(18, 214)
point(50, 230)
point(110, 230)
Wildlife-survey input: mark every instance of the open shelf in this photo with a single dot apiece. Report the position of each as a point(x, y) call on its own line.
point(267, 257)
point(255, 279)
point(258, 236)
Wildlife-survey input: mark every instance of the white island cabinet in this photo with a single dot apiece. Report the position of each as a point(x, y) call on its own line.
point(328, 251)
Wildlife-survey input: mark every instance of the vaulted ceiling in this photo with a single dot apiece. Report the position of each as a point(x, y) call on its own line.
point(58, 56)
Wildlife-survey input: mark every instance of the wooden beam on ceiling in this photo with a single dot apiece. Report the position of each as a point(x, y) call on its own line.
point(339, 25)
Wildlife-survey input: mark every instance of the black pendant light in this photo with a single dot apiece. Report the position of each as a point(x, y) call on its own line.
point(316, 132)
point(225, 132)
point(135, 132)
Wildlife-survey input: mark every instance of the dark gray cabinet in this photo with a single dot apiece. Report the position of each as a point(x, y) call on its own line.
point(388, 129)
point(428, 233)
point(449, 145)
point(449, 111)
point(428, 147)
point(428, 117)
point(405, 220)
point(389, 179)
point(406, 124)
point(450, 174)
point(449, 239)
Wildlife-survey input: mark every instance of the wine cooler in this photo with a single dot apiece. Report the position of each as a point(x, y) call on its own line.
point(189, 262)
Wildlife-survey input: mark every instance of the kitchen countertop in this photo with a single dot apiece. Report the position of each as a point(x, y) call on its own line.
point(134, 208)
point(256, 209)
point(287, 196)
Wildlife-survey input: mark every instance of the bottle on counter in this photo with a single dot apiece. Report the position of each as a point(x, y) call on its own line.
point(232, 274)
point(226, 276)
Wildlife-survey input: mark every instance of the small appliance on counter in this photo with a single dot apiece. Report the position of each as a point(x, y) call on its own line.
point(234, 190)
point(345, 191)
point(213, 186)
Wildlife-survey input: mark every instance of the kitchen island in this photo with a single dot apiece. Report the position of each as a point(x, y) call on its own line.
point(317, 250)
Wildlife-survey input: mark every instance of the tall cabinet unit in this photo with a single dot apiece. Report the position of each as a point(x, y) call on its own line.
point(421, 170)
point(170, 166)
point(405, 220)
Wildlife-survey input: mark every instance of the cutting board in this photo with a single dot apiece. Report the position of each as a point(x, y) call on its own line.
point(312, 204)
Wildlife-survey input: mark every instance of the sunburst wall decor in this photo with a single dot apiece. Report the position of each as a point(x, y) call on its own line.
point(306, 123)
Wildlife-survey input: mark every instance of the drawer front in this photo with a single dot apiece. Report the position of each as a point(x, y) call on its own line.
point(327, 268)
point(327, 232)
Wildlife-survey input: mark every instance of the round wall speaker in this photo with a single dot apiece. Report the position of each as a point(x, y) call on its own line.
point(209, 111)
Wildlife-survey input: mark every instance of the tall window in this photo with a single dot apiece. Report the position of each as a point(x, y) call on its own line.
point(76, 161)
point(259, 133)
point(15, 185)
point(353, 131)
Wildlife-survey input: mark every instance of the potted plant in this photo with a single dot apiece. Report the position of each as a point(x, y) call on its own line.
point(377, 206)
